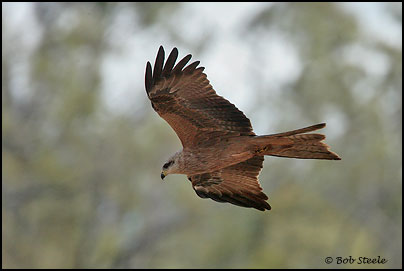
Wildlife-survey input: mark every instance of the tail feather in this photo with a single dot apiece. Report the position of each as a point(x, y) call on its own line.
point(302, 130)
point(297, 144)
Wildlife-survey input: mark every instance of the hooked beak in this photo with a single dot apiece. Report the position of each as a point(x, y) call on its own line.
point(162, 175)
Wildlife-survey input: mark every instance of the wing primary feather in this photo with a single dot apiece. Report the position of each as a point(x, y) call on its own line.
point(191, 67)
point(170, 62)
point(201, 69)
point(148, 77)
point(181, 64)
point(158, 66)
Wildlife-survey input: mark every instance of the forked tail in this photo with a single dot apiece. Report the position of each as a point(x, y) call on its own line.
point(295, 144)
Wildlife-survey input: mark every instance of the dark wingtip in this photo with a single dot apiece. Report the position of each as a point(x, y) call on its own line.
point(160, 69)
point(337, 157)
point(170, 62)
point(161, 50)
point(158, 65)
point(148, 77)
point(263, 206)
point(191, 67)
point(180, 65)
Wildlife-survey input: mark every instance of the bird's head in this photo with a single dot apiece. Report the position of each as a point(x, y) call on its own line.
point(170, 167)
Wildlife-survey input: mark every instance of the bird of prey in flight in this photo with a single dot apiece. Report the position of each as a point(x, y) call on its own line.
point(221, 154)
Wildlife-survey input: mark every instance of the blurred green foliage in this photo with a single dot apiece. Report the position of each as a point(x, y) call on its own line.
point(81, 185)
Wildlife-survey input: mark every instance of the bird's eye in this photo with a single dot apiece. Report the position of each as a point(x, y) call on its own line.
point(166, 165)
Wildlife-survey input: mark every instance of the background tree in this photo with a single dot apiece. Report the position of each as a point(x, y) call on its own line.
point(82, 148)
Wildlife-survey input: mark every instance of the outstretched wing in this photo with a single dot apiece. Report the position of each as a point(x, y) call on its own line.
point(187, 101)
point(237, 184)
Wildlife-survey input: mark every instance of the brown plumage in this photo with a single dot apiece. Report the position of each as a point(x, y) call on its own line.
point(221, 154)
